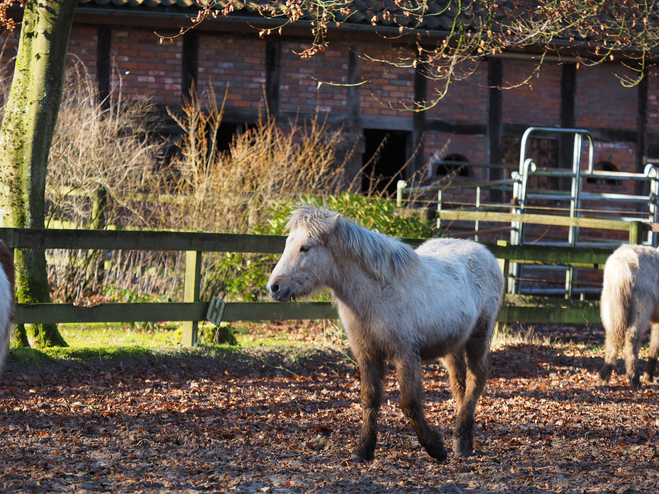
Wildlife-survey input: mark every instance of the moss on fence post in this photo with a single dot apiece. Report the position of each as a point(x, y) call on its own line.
point(636, 232)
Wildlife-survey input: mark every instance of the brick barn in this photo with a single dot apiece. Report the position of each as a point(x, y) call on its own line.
point(476, 122)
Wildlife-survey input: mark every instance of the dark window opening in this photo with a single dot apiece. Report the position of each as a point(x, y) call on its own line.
point(443, 169)
point(225, 134)
point(545, 154)
point(189, 64)
point(383, 160)
point(604, 166)
point(171, 151)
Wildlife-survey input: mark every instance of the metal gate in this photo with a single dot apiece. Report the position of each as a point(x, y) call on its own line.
point(523, 198)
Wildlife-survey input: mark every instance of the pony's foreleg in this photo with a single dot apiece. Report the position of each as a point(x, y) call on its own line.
point(477, 352)
point(411, 394)
point(654, 352)
point(372, 373)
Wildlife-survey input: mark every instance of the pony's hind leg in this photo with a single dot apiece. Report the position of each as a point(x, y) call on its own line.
point(372, 373)
point(457, 372)
point(477, 352)
point(654, 352)
point(411, 395)
point(632, 343)
point(612, 345)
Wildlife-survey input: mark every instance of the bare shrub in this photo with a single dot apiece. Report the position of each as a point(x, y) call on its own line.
point(232, 191)
point(102, 152)
point(104, 171)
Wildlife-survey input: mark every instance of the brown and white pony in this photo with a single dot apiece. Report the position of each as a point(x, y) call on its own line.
point(399, 305)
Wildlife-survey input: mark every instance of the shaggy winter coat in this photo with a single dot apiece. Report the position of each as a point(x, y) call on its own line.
point(402, 306)
point(629, 306)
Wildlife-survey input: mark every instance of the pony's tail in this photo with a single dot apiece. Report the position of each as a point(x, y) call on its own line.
point(617, 300)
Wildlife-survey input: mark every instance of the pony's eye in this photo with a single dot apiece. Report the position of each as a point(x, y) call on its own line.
point(304, 248)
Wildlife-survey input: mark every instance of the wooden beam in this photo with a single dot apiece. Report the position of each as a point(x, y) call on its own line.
point(191, 291)
point(549, 315)
point(17, 238)
point(354, 132)
point(636, 233)
point(495, 123)
point(189, 64)
point(417, 137)
point(642, 188)
point(567, 121)
point(257, 311)
point(104, 64)
point(272, 75)
point(160, 312)
point(553, 255)
point(540, 219)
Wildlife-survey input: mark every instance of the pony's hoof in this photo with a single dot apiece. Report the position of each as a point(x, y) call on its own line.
point(648, 378)
point(605, 375)
point(437, 452)
point(462, 449)
point(635, 383)
point(362, 455)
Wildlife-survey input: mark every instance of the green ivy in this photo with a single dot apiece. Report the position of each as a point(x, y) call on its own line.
point(243, 277)
point(371, 212)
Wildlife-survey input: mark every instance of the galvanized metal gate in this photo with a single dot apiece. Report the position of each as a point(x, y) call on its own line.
point(523, 198)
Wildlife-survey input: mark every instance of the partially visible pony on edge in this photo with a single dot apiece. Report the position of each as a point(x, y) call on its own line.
point(6, 300)
point(629, 305)
point(400, 305)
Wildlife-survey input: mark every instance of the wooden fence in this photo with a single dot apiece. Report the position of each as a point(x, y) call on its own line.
point(193, 309)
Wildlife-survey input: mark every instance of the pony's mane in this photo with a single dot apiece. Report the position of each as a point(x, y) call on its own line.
point(376, 253)
point(318, 222)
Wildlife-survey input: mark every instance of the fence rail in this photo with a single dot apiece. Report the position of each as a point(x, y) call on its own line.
point(193, 310)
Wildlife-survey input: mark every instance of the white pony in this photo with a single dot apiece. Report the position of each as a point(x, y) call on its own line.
point(6, 300)
point(630, 303)
point(403, 306)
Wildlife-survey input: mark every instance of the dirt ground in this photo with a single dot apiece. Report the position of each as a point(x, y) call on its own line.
point(287, 421)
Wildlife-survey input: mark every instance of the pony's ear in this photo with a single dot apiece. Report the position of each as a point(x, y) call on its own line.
point(333, 220)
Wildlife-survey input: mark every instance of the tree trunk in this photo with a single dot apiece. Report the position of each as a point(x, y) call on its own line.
point(25, 138)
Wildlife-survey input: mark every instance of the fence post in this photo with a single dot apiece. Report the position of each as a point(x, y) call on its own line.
point(191, 294)
point(636, 232)
point(400, 186)
point(504, 264)
point(99, 204)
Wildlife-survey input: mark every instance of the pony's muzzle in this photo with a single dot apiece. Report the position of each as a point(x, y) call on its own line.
point(279, 293)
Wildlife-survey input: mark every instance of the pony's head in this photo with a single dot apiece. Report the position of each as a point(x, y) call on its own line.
point(302, 268)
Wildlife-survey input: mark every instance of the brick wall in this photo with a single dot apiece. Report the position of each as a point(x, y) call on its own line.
point(466, 99)
point(472, 147)
point(306, 84)
point(653, 101)
point(622, 155)
point(535, 103)
point(602, 101)
point(236, 61)
point(82, 48)
point(145, 67)
point(387, 85)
